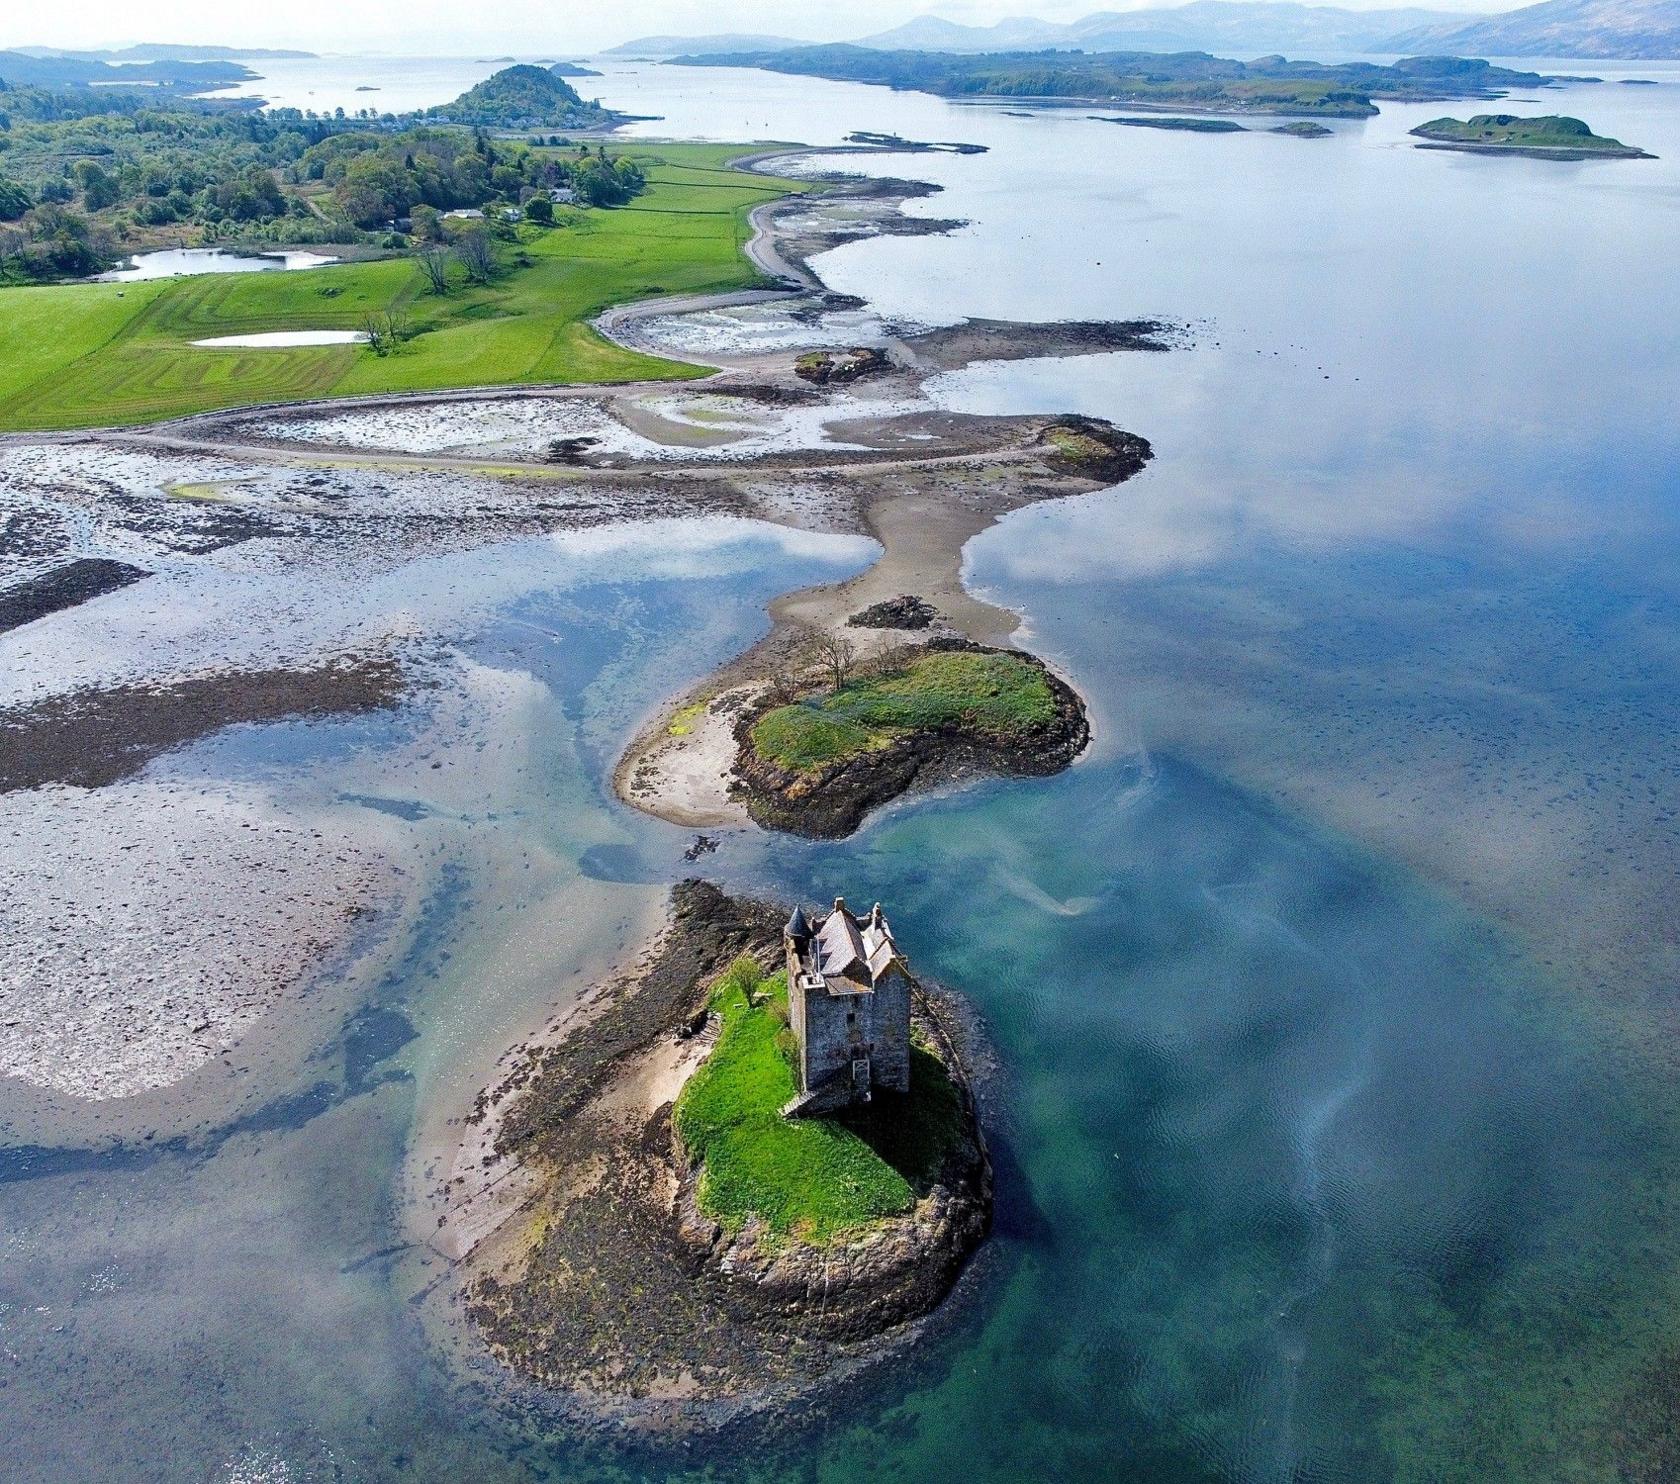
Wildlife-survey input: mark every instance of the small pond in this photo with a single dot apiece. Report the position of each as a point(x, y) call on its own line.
point(178, 262)
point(281, 338)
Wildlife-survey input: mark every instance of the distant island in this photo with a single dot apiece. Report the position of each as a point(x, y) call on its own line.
point(901, 145)
point(1549, 137)
point(572, 69)
point(1183, 80)
point(524, 97)
point(1184, 126)
point(1303, 129)
point(62, 70)
point(163, 51)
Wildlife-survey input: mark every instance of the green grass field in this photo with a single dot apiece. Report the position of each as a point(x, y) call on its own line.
point(813, 1178)
point(89, 355)
point(993, 695)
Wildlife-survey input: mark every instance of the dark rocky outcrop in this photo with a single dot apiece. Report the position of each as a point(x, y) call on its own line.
point(829, 803)
point(708, 929)
point(904, 612)
point(90, 738)
point(1089, 448)
point(836, 367)
point(74, 583)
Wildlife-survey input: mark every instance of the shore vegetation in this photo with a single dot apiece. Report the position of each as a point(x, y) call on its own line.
point(813, 1179)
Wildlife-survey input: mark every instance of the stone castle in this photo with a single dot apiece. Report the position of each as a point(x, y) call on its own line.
point(849, 1007)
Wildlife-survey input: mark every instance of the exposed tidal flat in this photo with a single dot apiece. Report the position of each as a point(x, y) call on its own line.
point(1329, 990)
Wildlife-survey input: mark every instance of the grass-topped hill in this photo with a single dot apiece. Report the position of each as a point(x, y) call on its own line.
point(815, 1180)
point(977, 692)
point(818, 764)
point(523, 97)
point(1554, 136)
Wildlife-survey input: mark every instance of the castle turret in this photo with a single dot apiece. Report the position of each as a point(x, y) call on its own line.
point(798, 929)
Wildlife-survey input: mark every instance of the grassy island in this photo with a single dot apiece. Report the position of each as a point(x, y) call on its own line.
point(995, 695)
point(816, 764)
point(812, 1179)
point(525, 97)
point(1550, 136)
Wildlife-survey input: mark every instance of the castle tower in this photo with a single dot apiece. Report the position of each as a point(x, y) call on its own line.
point(848, 1007)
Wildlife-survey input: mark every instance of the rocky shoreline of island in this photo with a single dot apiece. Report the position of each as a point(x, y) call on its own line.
point(612, 1290)
point(830, 801)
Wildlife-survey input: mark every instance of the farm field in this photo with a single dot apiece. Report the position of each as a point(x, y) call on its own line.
point(92, 355)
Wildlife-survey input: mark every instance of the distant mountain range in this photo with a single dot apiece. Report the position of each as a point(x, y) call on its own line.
point(1250, 26)
point(1647, 29)
point(1554, 28)
point(700, 46)
point(163, 51)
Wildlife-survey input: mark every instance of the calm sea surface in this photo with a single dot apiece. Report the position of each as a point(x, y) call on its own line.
point(1334, 993)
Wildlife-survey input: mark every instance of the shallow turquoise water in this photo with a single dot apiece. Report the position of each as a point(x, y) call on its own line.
point(1335, 1122)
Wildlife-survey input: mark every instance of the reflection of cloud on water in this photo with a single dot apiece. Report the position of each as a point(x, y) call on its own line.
point(198, 616)
point(699, 548)
point(1342, 469)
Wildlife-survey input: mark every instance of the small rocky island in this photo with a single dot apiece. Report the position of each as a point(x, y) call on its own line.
point(1302, 129)
point(815, 761)
point(756, 1164)
point(1179, 125)
point(1548, 137)
point(834, 713)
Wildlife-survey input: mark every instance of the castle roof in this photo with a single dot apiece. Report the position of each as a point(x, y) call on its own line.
point(799, 926)
point(853, 956)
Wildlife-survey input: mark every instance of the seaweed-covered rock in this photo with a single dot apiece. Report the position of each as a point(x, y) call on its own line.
point(836, 367)
point(903, 612)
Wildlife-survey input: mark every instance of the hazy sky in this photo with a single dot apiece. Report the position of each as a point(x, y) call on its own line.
point(529, 27)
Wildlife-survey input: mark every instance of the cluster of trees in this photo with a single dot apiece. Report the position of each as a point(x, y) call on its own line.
point(598, 181)
point(14, 200)
point(52, 241)
point(376, 178)
point(130, 161)
point(120, 167)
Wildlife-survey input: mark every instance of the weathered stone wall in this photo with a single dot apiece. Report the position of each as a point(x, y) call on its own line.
point(892, 1032)
point(839, 1028)
point(830, 1038)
